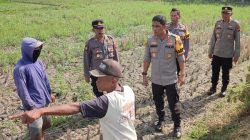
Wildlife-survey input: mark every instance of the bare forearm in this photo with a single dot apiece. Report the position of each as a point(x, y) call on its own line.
point(65, 109)
point(182, 67)
point(145, 66)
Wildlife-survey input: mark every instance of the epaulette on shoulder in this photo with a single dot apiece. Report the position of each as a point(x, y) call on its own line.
point(110, 37)
point(220, 20)
point(87, 42)
point(236, 21)
point(173, 35)
point(92, 38)
point(182, 25)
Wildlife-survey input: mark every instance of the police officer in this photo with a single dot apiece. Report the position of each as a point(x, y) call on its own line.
point(176, 27)
point(224, 48)
point(161, 50)
point(98, 48)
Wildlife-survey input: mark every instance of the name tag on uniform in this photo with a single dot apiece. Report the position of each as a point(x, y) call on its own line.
point(170, 47)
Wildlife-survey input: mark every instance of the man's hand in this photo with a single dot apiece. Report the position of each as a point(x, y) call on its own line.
point(27, 117)
point(210, 55)
point(235, 59)
point(181, 79)
point(145, 80)
point(53, 98)
point(87, 79)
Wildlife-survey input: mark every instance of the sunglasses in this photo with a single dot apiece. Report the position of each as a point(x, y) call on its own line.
point(225, 13)
point(99, 28)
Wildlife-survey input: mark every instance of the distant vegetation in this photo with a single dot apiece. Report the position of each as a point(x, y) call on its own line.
point(64, 26)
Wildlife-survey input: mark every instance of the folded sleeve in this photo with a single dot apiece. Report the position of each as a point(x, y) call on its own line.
point(96, 108)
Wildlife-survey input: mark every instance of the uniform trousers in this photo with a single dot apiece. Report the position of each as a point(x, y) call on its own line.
point(173, 101)
point(226, 65)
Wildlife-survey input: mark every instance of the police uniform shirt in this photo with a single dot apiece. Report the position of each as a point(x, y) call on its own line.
point(162, 54)
point(182, 31)
point(96, 51)
point(225, 41)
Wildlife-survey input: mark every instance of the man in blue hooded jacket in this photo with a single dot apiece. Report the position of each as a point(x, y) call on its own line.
point(32, 84)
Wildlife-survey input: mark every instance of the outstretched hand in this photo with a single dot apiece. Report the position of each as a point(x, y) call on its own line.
point(27, 117)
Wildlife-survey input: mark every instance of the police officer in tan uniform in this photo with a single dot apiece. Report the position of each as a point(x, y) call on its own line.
point(161, 51)
point(176, 27)
point(224, 48)
point(98, 48)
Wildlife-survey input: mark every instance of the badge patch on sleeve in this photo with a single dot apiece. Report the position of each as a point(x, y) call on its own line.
point(186, 33)
point(238, 28)
point(179, 46)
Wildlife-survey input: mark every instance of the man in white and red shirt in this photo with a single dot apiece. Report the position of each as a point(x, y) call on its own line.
point(116, 109)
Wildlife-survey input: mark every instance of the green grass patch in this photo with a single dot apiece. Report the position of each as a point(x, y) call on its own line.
point(228, 119)
point(46, 19)
point(199, 130)
point(74, 121)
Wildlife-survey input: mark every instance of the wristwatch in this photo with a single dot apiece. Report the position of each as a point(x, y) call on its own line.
point(144, 73)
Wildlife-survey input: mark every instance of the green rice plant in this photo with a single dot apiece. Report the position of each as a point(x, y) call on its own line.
point(199, 130)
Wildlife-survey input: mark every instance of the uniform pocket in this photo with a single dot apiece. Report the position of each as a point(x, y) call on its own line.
point(153, 52)
point(98, 54)
point(229, 34)
point(169, 52)
point(110, 51)
point(168, 55)
point(218, 32)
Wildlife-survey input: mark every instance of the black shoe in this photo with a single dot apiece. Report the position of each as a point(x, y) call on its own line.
point(211, 91)
point(223, 94)
point(177, 132)
point(159, 126)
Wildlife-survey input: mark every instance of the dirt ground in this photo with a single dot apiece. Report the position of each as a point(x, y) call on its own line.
point(194, 101)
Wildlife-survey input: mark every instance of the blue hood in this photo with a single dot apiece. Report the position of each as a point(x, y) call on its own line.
point(28, 47)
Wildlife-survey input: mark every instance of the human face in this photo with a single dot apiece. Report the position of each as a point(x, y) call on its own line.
point(226, 16)
point(99, 31)
point(158, 28)
point(106, 83)
point(174, 16)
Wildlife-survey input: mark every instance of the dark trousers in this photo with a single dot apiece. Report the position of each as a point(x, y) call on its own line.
point(226, 65)
point(93, 84)
point(173, 102)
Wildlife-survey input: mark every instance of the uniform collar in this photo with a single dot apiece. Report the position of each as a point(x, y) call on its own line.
point(229, 20)
point(178, 24)
point(157, 39)
point(104, 38)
